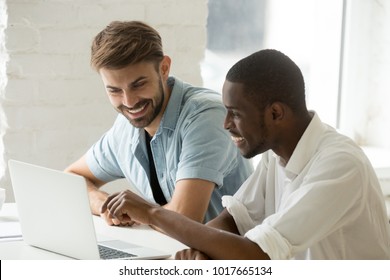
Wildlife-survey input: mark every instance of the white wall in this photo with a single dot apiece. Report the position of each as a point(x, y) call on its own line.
point(3, 61)
point(53, 106)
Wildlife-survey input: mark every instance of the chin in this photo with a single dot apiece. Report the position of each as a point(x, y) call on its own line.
point(249, 154)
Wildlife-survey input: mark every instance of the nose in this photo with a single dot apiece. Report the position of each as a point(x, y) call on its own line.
point(227, 122)
point(129, 99)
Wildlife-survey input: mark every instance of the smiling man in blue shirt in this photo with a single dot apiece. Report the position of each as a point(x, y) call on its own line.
point(168, 138)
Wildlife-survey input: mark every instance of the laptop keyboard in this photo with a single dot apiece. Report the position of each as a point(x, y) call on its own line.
point(107, 253)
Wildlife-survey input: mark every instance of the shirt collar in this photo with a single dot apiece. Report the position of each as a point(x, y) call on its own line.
point(306, 147)
point(172, 111)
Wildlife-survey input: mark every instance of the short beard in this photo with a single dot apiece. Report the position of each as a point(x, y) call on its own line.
point(148, 119)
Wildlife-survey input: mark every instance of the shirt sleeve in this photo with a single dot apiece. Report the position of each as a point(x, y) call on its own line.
point(248, 206)
point(207, 151)
point(102, 156)
point(329, 198)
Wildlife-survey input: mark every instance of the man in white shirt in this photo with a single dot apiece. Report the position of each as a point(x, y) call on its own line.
point(314, 195)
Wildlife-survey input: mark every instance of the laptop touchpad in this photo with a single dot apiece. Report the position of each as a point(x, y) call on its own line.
point(118, 244)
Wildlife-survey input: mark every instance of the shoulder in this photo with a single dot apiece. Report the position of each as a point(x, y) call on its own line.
point(121, 122)
point(336, 142)
point(200, 98)
point(323, 142)
point(341, 152)
point(204, 104)
point(121, 129)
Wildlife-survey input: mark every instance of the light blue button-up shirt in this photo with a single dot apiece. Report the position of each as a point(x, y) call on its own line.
point(189, 143)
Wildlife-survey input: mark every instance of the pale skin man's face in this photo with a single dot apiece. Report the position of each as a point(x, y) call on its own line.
point(137, 92)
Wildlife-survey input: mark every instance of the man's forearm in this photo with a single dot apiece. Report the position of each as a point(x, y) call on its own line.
point(224, 221)
point(216, 243)
point(96, 197)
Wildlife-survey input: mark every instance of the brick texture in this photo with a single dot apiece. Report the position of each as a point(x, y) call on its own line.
point(53, 105)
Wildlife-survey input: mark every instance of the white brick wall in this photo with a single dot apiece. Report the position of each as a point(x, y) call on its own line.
point(54, 106)
point(3, 79)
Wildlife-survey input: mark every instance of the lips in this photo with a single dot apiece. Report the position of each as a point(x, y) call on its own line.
point(237, 140)
point(136, 112)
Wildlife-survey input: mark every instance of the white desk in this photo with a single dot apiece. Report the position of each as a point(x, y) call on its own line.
point(142, 235)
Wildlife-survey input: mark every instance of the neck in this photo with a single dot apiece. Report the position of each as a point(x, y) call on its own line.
point(299, 127)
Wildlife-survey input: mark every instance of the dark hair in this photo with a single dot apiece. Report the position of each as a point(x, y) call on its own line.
point(123, 43)
point(270, 76)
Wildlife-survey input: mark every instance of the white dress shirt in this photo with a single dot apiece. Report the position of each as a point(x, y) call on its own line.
point(326, 203)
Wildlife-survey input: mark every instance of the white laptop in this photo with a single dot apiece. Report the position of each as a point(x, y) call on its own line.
point(54, 213)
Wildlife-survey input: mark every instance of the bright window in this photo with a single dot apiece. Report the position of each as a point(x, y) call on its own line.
point(341, 46)
point(307, 31)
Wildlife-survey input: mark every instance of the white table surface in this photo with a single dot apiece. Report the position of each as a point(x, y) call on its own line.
point(16, 248)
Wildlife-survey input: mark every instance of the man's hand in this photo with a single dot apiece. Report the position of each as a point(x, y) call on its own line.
point(111, 221)
point(191, 254)
point(126, 208)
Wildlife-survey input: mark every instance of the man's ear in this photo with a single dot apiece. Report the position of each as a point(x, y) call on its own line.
point(278, 111)
point(165, 67)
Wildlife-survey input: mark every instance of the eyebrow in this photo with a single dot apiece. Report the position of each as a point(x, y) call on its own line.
point(231, 107)
point(130, 84)
point(111, 87)
point(137, 81)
